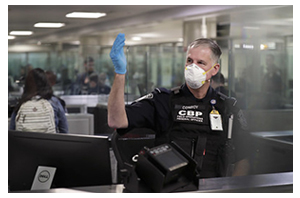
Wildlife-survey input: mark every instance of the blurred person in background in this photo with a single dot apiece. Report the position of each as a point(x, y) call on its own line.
point(38, 87)
point(83, 78)
point(52, 81)
point(272, 81)
point(97, 84)
point(218, 83)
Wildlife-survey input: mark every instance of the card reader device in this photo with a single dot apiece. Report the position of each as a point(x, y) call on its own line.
point(165, 168)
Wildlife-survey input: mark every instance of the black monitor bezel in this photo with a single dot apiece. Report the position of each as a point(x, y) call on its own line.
point(88, 166)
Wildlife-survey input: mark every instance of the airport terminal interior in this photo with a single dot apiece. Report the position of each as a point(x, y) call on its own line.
point(256, 62)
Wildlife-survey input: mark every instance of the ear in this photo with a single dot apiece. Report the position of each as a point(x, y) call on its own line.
point(216, 69)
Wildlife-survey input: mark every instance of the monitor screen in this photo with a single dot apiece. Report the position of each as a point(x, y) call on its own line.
point(79, 160)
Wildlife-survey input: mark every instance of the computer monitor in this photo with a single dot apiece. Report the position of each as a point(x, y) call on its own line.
point(79, 160)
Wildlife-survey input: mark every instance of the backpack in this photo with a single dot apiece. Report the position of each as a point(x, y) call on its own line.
point(36, 115)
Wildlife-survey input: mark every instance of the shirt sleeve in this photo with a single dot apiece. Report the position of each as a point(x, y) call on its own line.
point(62, 124)
point(150, 111)
point(60, 117)
point(140, 114)
point(12, 124)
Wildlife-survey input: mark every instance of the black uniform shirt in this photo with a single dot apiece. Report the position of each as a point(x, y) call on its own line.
point(154, 110)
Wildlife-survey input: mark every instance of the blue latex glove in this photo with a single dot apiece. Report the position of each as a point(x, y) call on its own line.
point(117, 54)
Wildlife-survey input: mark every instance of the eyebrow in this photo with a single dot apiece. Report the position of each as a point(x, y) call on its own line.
point(204, 62)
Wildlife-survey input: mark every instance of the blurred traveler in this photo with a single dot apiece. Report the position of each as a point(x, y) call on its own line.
point(83, 78)
point(272, 86)
point(52, 81)
point(38, 110)
point(272, 80)
point(97, 84)
point(218, 83)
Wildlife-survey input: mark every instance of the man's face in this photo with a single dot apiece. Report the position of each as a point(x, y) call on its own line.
point(201, 56)
point(92, 84)
point(89, 66)
point(102, 79)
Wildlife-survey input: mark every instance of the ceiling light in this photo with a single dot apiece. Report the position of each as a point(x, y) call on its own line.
point(21, 33)
point(91, 15)
point(11, 37)
point(136, 38)
point(251, 27)
point(49, 25)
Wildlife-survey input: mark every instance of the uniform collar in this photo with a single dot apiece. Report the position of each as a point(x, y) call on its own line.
point(207, 97)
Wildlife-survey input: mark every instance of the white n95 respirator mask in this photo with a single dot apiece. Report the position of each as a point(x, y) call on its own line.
point(195, 76)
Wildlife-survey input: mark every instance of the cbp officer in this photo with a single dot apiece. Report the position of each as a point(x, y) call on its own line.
point(206, 124)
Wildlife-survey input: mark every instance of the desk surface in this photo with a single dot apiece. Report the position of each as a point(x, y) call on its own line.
point(285, 137)
point(267, 183)
point(275, 182)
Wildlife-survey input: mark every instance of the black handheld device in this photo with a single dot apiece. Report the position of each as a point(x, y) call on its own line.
point(165, 168)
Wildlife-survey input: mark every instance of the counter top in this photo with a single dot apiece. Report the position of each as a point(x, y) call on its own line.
point(267, 183)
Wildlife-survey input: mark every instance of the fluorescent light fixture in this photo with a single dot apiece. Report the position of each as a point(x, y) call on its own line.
point(91, 15)
point(251, 27)
point(21, 33)
point(11, 37)
point(49, 25)
point(136, 38)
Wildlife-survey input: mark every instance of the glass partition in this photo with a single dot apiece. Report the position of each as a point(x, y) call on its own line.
point(244, 64)
point(259, 71)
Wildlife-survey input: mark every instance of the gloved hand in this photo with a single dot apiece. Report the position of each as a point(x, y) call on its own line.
point(117, 54)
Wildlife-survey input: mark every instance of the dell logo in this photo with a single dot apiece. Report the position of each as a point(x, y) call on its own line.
point(44, 176)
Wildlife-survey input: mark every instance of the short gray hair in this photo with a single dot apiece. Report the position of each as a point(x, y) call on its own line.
point(213, 46)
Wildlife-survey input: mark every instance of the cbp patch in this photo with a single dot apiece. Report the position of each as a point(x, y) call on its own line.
point(190, 113)
point(148, 96)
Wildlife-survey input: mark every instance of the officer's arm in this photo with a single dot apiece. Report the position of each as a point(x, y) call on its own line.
point(117, 117)
point(241, 168)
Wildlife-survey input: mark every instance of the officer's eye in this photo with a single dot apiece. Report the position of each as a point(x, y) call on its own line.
point(189, 60)
point(201, 62)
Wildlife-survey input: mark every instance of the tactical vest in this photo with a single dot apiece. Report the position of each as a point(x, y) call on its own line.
point(190, 129)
